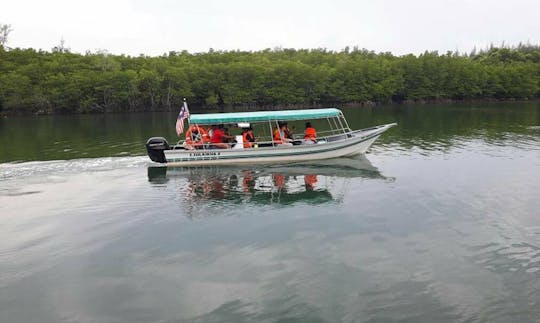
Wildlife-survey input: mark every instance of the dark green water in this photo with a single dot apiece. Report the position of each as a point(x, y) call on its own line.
point(439, 222)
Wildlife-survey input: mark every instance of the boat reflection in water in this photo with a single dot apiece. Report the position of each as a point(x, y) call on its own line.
point(311, 183)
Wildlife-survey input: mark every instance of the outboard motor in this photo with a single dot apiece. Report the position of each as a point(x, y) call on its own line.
point(155, 147)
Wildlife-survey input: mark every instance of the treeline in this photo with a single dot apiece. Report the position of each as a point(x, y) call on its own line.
point(63, 82)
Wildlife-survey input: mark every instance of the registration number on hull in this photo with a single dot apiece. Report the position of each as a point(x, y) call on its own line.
point(204, 154)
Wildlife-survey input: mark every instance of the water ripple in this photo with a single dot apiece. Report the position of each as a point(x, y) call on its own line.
point(73, 166)
point(516, 257)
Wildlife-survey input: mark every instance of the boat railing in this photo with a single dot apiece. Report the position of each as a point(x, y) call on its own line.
point(332, 132)
point(333, 137)
point(324, 136)
point(324, 133)
point(211, 146)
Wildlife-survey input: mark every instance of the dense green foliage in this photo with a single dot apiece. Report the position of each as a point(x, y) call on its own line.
point(62, 82)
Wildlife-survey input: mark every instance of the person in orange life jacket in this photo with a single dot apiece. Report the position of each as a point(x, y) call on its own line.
point(288, 132)
point(248, 138)
point(310, 134)
point(219, 137)
point(196, 137)
point(282, 135)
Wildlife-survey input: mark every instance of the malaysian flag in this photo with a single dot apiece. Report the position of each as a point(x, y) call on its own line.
point(184, 113)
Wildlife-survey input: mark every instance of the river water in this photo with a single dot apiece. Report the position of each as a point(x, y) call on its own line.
point(439, 222)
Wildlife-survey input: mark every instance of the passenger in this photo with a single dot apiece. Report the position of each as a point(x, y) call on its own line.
point(248, 138)
point(310, 134)
point(196, 137)
point(228, 137)
point(288, 132)
point(283, 136)
point(219, 137)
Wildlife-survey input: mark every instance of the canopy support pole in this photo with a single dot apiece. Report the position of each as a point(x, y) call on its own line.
point(342, 126)
point(271, 133)
point(342, 116)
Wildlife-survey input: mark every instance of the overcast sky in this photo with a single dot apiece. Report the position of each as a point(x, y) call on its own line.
point(155, 27)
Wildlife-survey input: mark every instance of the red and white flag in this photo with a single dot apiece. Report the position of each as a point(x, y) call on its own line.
point(184, 113)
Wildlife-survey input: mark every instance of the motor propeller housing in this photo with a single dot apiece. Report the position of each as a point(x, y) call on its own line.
point(155, 147)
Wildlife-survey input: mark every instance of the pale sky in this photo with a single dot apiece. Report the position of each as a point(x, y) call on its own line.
point(155, 27)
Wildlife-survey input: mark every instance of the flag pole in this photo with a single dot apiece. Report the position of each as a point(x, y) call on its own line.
point(184, 113)
point(185, 102)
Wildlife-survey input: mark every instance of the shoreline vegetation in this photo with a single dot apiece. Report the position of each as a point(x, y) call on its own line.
point(60, 82)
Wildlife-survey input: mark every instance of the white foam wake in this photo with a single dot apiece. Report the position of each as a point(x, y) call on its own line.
point(40, 168)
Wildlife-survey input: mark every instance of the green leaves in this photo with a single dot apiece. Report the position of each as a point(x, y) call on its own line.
point(62, 82)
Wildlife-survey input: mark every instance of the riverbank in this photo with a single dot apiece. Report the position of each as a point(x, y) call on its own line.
point(238, 108)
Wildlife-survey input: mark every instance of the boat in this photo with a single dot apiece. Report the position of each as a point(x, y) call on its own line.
point(336, 140)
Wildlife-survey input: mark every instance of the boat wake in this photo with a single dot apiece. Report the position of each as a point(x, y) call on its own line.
point(73, 166)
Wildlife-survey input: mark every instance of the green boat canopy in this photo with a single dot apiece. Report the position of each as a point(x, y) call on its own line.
point(260, 116)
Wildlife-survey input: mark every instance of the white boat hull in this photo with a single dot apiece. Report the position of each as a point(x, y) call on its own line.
point(353, 143)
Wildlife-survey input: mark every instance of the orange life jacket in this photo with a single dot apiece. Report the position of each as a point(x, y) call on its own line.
point(277, 136)
point(245, 138)
point(201, 138)
point(310, 134)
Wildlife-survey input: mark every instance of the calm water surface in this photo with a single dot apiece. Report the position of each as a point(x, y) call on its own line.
point(439, 222)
